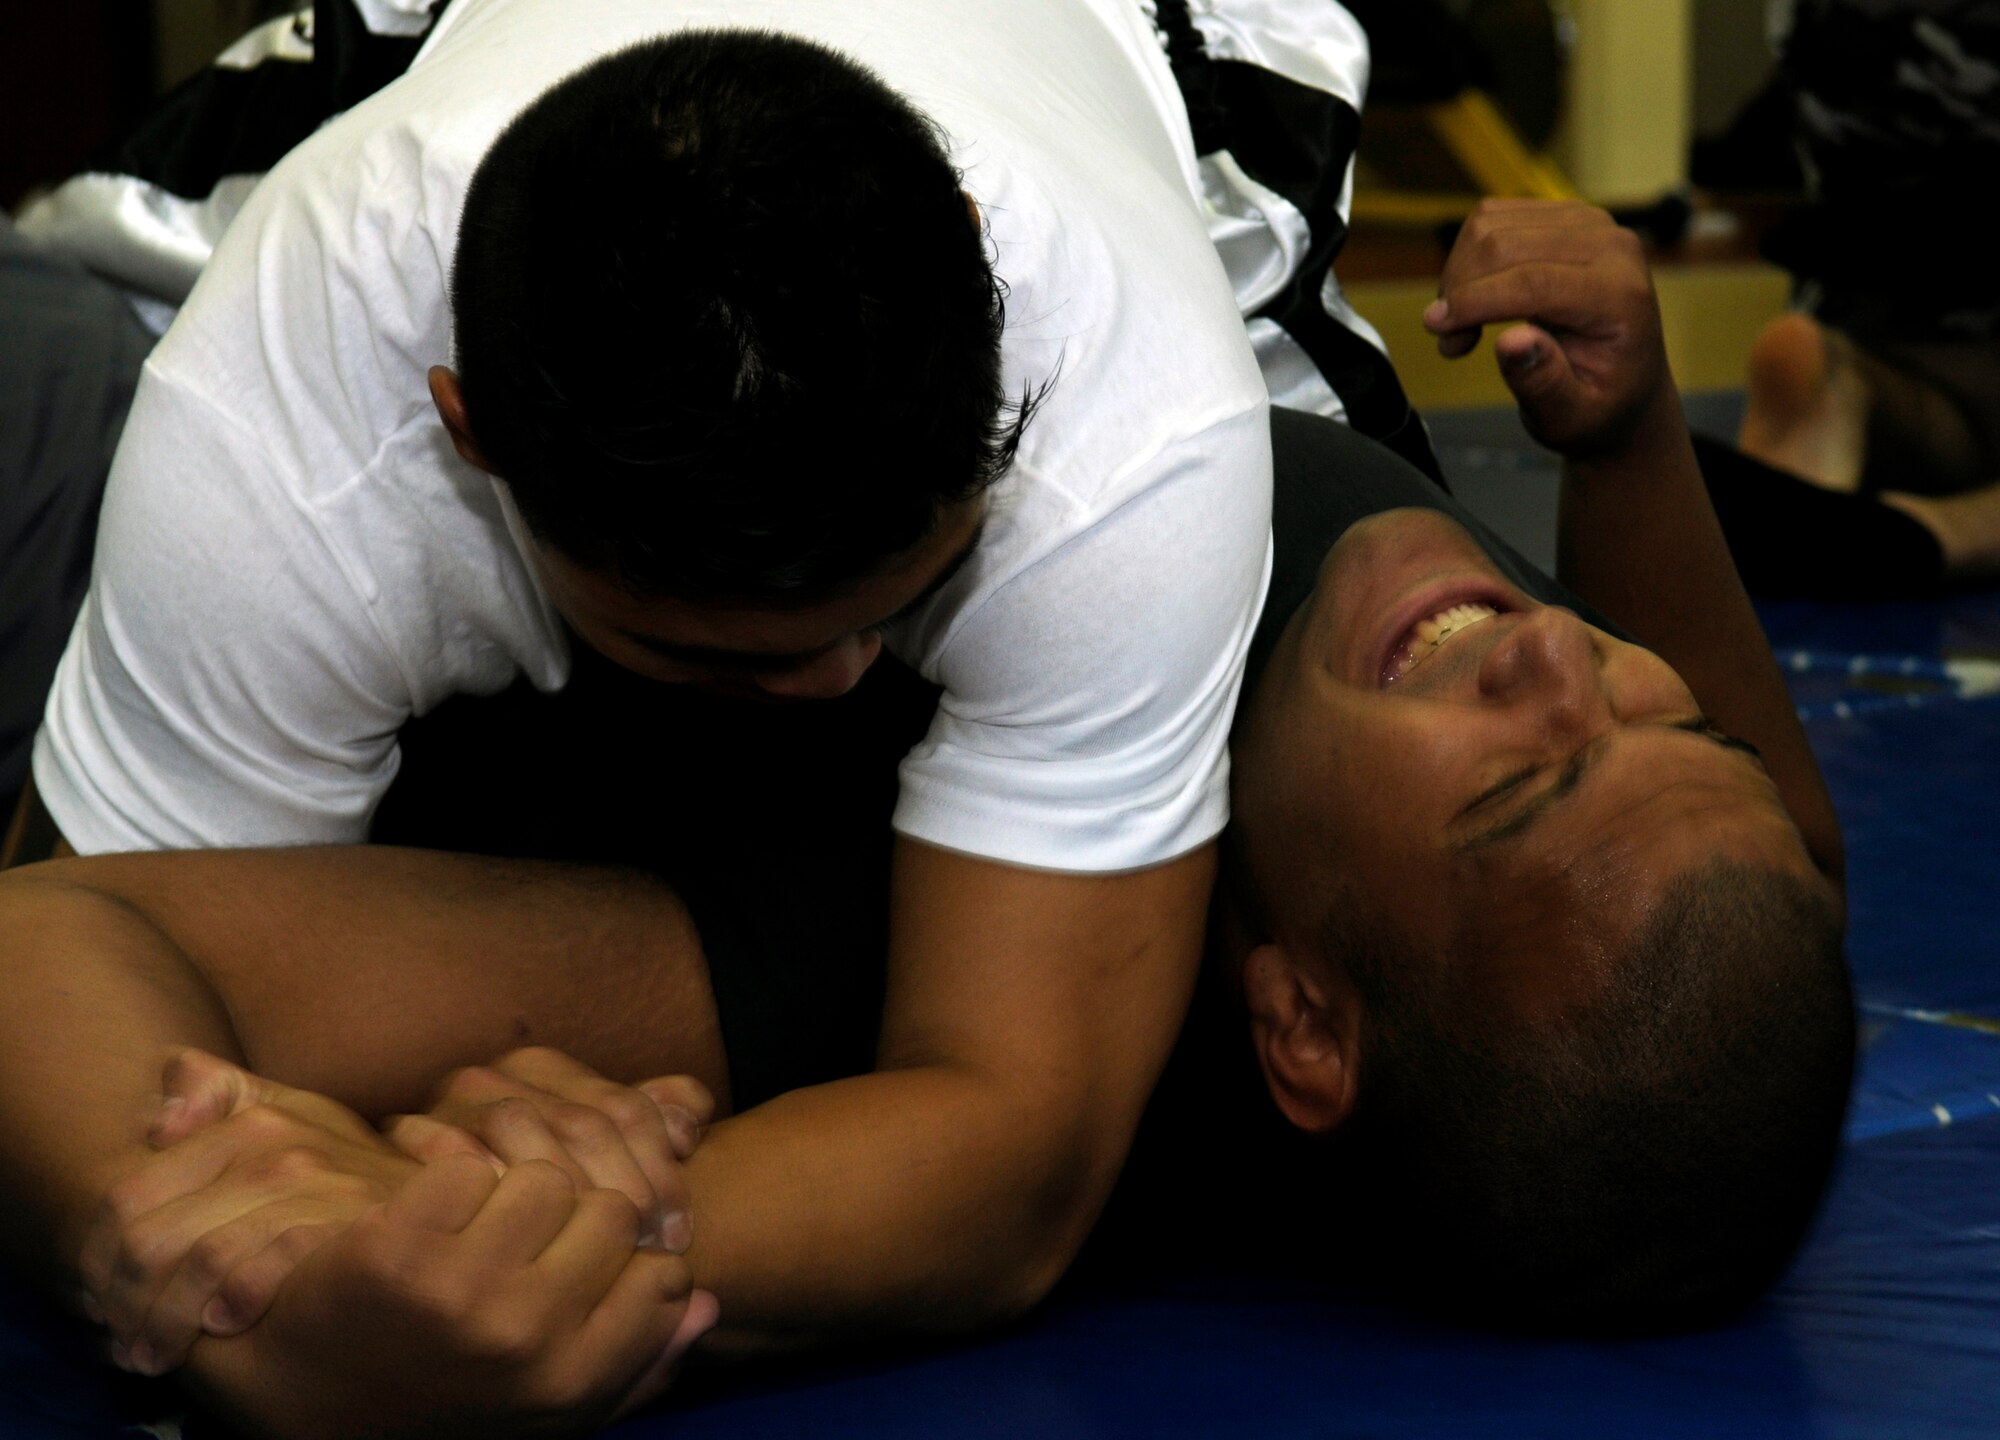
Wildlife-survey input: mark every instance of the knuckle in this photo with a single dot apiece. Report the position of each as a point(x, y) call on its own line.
point(697, 1097)
point(210, 1258)
point(247, 1291)
point(148, 1252)
point(124, 1202)
point(511, 1112)
point(501, 1336)
point(290, 1165)
point(629, 1110)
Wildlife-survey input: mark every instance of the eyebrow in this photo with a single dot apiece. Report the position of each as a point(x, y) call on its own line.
point(783, 659)
point(1572, 775)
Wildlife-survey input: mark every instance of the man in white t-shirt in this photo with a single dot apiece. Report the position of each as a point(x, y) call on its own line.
point(732, 399)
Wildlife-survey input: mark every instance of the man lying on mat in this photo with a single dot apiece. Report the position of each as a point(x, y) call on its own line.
point(1510, 903)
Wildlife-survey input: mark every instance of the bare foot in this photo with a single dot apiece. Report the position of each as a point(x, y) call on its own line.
point(1808, 404)
point(1967, 528)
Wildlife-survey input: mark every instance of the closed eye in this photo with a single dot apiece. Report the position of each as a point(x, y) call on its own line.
point(1701, 725)
point(1527, 814)
point(1502, 787)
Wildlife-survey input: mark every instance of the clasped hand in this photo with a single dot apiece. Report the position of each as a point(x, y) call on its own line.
point(1585, 359)
point(251, 1177)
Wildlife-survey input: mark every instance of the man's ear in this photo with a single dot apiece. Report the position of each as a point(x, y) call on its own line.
point(450, 402)
point(1305, 1022)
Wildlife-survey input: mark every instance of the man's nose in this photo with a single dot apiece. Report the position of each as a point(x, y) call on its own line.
point(833, 672)
point(1551, 659)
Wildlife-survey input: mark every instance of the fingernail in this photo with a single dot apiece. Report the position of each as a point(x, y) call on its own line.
point(1526, 361)
point(675, 1232)
point(217, 1318)
point(702, 1313)
point(92, 1311)
point(1437, 312)
point(168, 1108)
point(682, 1127)
point(144, 1359)
point(121, 1357)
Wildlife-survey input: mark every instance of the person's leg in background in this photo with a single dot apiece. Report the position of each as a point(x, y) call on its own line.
point(1886, 383)
point(71, 359)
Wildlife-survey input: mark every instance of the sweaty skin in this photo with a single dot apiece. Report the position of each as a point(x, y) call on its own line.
point(1509, 799)
point(1527, 774)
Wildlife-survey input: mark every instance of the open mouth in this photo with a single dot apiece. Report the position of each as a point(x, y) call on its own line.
point(1430, 632)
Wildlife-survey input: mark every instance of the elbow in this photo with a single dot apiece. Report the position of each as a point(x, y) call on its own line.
point(1050, 1228)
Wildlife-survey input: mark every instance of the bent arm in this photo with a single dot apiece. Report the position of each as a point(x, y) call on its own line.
point(1637, 538)
point(1028, 1017)
point(359, 973)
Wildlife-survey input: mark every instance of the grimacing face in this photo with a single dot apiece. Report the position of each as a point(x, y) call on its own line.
point(1514, 794)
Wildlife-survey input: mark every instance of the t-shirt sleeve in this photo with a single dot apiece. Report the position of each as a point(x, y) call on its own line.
point(1085, 720)
point(224, 684)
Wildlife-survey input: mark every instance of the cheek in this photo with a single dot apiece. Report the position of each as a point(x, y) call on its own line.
point(1643, 685)
point(1388, 790)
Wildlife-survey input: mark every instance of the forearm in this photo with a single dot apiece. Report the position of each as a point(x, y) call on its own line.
point(1636, 537)
point(926, 1199)
point(1029, 1015)
point(97, 998)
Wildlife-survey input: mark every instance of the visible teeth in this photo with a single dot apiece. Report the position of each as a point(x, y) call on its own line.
point(1426, 635)
point(1434, 631)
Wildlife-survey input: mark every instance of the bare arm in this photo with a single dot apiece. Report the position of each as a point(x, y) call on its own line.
point(362, 973)
point(359, 973)
point(1028, 1017)
point(1636, 535)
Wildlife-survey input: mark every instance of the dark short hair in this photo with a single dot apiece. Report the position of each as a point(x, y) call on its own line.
point(723, 323)
point(1649, 1162)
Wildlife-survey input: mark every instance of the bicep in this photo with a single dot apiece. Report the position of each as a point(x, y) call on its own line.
point(366, 972)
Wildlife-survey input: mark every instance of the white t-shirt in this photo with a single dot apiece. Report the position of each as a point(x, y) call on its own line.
point(292, 560)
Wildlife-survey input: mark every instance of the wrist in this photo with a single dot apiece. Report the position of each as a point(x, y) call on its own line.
point(1657, 433)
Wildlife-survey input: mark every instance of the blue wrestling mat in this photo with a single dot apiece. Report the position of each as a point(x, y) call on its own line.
point(1889, 1324)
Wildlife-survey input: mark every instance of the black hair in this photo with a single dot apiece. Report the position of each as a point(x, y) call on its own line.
point(1648, 1162)
point(723, 322)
